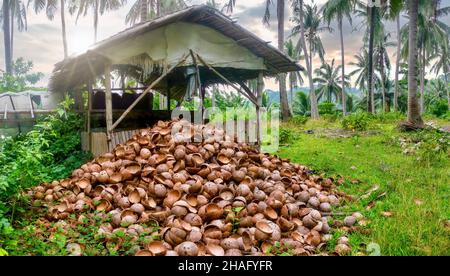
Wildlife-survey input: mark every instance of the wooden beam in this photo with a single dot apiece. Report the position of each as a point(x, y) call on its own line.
point(146, 92)
point(259, 92)
point(5, 115)
point(108, 102)
point(226, 80)
point(247, 89)
point(168, 95)
point(197, 72)
point(88, 126)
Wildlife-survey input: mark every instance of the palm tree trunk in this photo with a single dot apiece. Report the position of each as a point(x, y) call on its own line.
point(446, 86)
point(63, 27)
point(144, 10)
point(344, 100)
point(370, 104)
point(414, 117)
point(372, 86)
point(7, 36)
point(285, 110)
point(397, 65)
point(383, 88)
point(291, 92)
point(12, 32)
point(422, 82)
point(312, 94)
point(96, 6)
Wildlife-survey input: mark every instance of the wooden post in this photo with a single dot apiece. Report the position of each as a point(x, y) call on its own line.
point(168, 96)
point(88, 124)
point(108, 103)
point(5, 115)
point(202, 102)
point(31, 105)
point(260, 88)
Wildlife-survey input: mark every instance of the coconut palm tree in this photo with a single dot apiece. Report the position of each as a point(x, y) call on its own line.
point(414, 118)
point(372, 19)
point(394, 14)
point(6, 9)
point(443, 65)
point(51, 7)
point(338, 10)
point(432, 36)
point(298, 6)
point(381, 57)
point(98, 7)
point(313, 27)
point(18, 15)
point(294, 78)
point(143, 10)
point(285, 110)
point(362, 64)
point(329, 82)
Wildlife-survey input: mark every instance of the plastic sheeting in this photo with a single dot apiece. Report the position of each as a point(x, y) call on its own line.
point(165, 46)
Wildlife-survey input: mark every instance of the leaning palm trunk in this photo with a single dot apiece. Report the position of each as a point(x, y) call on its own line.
point(422, 82)
point(414, 118)
point(344, 100)
point(63, 27)
point(312, 94)
point(370, 104)
point(285, 110)
point(397, 65)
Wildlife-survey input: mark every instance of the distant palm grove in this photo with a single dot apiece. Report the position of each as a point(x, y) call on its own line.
point(421, 49)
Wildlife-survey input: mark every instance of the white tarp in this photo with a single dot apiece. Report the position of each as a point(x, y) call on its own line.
point(167, 45)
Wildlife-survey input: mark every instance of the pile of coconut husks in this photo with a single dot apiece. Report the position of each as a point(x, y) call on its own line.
point(214, 197)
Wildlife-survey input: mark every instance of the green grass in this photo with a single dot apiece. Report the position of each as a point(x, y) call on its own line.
point(413, 229)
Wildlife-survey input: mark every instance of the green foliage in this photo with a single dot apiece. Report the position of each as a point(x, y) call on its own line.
point(358, 121)
point(287, 135)
point(327, 108)
point(21, 78)
point(51, 150)
point(299, 119)
point(430, 146)
point(389, 117)
point(439, 108)
point(301, 104)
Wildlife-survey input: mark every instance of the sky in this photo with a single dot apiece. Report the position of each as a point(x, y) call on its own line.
point(42, 42)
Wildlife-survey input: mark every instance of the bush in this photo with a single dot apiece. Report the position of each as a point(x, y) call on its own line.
point(327, 108)
point(358, 121)
point(389, 117)
point(439, 108)
point(51, 150)
point(299, 119)
point(286, 135)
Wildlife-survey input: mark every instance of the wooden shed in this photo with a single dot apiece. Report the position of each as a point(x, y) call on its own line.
point(179, 56)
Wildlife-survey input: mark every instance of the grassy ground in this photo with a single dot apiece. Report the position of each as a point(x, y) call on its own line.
point(405, 201)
